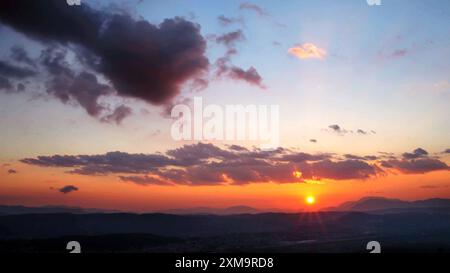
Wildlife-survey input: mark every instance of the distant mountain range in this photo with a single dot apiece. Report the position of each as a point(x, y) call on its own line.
point(17, 210)
point(366, 204)
point(381, 204)
point(216, 211)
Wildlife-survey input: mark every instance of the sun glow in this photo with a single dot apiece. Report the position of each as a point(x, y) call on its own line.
point(310, 200)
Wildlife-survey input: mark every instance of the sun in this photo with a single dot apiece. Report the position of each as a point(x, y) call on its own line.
point(310, 200)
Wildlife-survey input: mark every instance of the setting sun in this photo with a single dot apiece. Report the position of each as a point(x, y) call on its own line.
point(310, 200)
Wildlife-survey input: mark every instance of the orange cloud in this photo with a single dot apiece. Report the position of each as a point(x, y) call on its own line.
point(307, 51)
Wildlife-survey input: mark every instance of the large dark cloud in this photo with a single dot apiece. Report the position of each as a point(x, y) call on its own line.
point(416, 162)
point(207, 164)
point(113, 162)
point(141, 60)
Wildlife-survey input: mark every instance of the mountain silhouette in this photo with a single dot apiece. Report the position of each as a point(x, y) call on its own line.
point(368, 204)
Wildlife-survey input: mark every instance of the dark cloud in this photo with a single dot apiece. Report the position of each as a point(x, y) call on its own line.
point(11, 171)
point(250, 75)
point(195, 153)
point(417, 153)
point(225, 21)
point(207, 164)
point(370, 157)
point(144, 180)
point(313, 140)
point(230, 38)
point(417, 162)
point(5, 84)
point(82, 89)
point(363, 158)
point(301, 157)
point(20, 55)
point(416, 166)
point(337, 129)
point(227, 69)
point(15, 72)
point(341, 131)
point(141, 60)
point(238, 148)
point(68, 189)
point(112, 162)
point(342, 170)
point(119, 114)
point(447, 151)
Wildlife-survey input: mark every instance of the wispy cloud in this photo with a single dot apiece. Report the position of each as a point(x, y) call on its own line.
point(253, 7)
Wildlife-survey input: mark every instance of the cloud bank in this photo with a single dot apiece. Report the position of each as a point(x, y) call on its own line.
point(207, 164)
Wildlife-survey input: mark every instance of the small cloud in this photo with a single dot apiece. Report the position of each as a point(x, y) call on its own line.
point(307, 51)
point(255, 8)
point(446, 151)
point(11, 171)
point(276, 43)
point(337, 129)
point(341, 131)
point(417, 153)
point(230, 37)
point(118, 115)
point(225, 21)
point(313, 140)
point(68, 189)
point(398, 53)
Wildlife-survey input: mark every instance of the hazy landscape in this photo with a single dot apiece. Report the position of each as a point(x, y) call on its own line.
point(421, 226)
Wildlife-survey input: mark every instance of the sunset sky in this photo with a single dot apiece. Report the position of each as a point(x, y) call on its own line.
point(86, 93)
